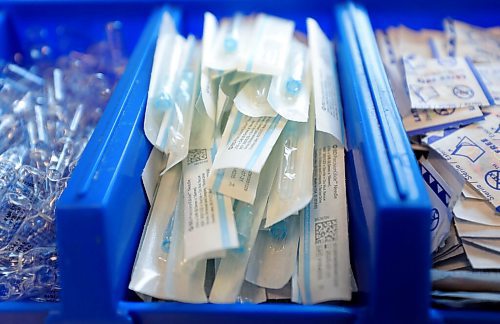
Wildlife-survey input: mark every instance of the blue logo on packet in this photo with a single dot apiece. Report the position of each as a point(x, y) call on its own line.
point(492, 179)
point(444, 111)
point(434, 219)
point(468, 149)
point(463, 92)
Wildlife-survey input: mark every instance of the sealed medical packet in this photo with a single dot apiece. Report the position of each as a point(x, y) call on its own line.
point(327, 106)
point(324, 271)
point(474, 152)
point(442, 83)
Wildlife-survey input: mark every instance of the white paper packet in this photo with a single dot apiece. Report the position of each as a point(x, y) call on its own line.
point(289, 93)
point(476, 211)
point(471, 193)
point(209, 226)
point(442, 83)
point(324, 242)
point(328, 108)
point(489, 76)
point(274, 255)
point(441, 200)
point(481, 258)
point(422, 121)
point(473, 152)
point(475, 230)
point(293, 187)
point(247, 142)
point(493, 245)
point(232, 268)
point(480, 44)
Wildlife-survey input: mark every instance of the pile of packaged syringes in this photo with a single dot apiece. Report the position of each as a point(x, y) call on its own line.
point(246, 179)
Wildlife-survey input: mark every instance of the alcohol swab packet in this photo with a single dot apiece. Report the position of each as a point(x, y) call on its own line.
point(441, 197)
point(480, 44)
point(324, 270)
point(422, 121)
point(395, 73)
point(489, 75)
point(443, 83)
point(476, 211)
point(473, 151)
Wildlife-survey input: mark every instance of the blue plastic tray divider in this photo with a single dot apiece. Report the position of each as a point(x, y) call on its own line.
point(395, 203)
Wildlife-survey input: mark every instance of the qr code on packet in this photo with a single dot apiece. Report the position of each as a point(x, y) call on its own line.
point(196, 156)
point(325, 232)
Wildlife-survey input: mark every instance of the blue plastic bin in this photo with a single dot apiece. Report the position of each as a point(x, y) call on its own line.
point(100, 227)
point(414, 14)
point(101, 214)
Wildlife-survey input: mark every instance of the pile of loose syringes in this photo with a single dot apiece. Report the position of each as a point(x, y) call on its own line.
point(47, 115)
